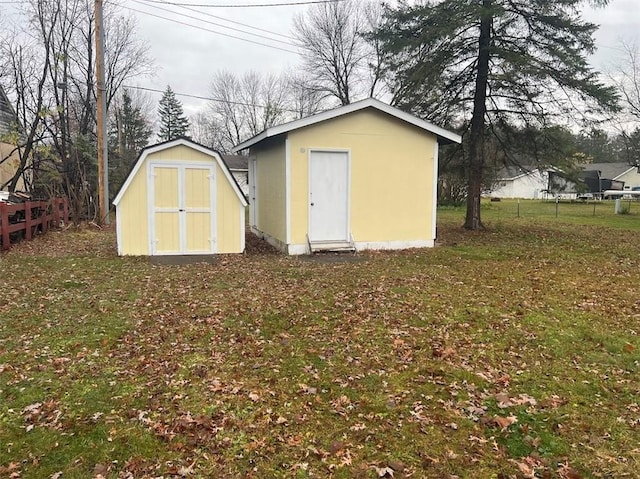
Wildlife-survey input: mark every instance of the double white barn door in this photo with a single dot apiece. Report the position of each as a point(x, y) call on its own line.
point(182, 203)
point(329, 196)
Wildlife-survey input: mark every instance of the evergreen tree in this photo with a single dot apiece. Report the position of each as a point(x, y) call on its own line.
point(173, 123)
point(499, 67)
point(129, 133)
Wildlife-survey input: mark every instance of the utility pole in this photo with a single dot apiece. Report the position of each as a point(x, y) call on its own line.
point(101, 126)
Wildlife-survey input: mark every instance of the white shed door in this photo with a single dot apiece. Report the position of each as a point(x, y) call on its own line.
point(183, 209)
point(328, 196)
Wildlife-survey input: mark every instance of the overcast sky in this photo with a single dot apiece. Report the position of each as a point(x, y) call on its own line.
point(187, 57)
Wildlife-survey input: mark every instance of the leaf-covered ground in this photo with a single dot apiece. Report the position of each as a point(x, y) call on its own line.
point(508, 353)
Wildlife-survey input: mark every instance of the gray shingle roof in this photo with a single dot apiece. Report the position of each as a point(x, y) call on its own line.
point(512, 172)
point(609, 171)
point(236, 162)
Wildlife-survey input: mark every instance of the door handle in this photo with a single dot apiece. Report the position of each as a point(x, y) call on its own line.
point(312, 204)
point(180, 210)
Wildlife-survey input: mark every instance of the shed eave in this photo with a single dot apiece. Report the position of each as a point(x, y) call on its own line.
point(443, 135)
point(170, 144)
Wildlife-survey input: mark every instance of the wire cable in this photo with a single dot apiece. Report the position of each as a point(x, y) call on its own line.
point(224, 19)
point(199, 97)
point(143, 2)
point(248, 5)
point(209, 30)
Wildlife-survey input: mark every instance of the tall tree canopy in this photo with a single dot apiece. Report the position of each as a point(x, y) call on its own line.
point(129, 134)
point(338, 60)
point(173, 123)
point(499, 68)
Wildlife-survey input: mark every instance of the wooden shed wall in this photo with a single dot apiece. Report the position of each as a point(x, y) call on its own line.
point(392, 176)
point(134, 210)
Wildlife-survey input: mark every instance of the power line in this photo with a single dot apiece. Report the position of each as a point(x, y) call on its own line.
point(143, 2)
point(248, 5)
point(224, 19)
point(209, 30)
point(198, 97)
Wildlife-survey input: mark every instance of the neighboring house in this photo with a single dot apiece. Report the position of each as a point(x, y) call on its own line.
point(239, 168)
point(362, 176)
point(180, 199)
point(611, 176)
point(596, 178)
point(521, 182)
point(8, 151)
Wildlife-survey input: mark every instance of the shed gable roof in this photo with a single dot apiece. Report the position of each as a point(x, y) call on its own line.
point(610, 171)
point(236, 162)
point(173, 143)
point(441, 133)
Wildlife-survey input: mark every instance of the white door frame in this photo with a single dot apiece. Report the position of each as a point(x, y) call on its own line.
point(182, 210)
point(348, 198)
point(253, 193)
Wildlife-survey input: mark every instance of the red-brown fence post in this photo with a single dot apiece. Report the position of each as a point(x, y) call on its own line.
point(55, 202)
point(27, 220)
point(4, 222)
point(65, 207)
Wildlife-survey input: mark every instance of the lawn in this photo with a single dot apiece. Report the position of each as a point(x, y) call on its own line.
point(508, 353)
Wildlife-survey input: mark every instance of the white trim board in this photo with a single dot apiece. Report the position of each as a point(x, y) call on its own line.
point(441, 133)
point(170, 144)
point(299, 249)
point(287, 189)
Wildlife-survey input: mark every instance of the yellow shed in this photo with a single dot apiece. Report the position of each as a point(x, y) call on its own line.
point(180, 199)
point(362, 176)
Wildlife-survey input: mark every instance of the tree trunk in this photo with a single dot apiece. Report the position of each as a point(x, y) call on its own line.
point(476, 149)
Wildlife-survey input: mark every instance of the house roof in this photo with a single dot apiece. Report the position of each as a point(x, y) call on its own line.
point(514, 172)
point(609, 171)
point(179, 142)
point(7, 114)
point(236, 162)
point(445, 136)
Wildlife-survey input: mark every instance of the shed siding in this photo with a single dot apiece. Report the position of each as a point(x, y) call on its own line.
point(133, 213)
point(230, 217)
point(134, 208)
point(391, 197)
point(271, 188)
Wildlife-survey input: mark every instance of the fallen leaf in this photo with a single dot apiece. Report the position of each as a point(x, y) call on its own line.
point(504, 422)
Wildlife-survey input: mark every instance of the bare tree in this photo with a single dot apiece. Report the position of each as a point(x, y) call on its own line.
point(244, 106)
point(227, 114)
point(303, 100)
point(339, 61)
point(628, 80)
point(52, 62)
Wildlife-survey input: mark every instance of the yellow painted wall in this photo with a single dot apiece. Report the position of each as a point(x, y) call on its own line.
point(270, 187)
point(9, 167)
point(230, 216)
point(391, 175)
point(134, 210)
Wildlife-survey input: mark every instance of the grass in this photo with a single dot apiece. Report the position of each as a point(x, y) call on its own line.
point(505, 353)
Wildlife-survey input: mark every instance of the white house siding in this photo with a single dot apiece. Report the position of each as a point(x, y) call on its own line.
point(631, 178)
point(527, 186)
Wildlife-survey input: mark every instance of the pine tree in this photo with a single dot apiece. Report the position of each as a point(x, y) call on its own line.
point(497, 68)
point(129, 133)
point(173, 123)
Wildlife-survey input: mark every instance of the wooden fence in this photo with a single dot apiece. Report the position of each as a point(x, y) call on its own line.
point(30, 217)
